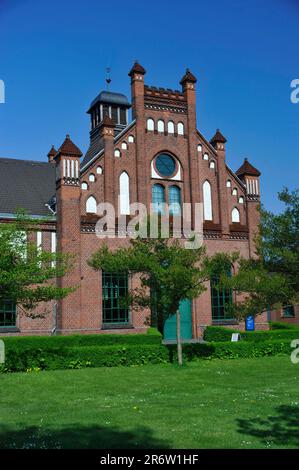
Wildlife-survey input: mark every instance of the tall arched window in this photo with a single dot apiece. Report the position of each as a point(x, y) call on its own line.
point(158, 198)
point(180, 128)
point(207, 201)
point(150, 125)
point(221, 297)
point(174, 200)
point(235, 215)
point(91, 205)
point(124, 193)
point(170, 127)
point(161, 125)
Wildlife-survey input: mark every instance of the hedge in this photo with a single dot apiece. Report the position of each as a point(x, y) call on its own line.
point(276, 325)
point(75, 357)
point(218, 333)
point(49, 342)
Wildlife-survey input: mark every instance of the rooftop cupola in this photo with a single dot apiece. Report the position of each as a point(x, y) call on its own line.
point(218, 141)
point(114, 105)
point(52, 154)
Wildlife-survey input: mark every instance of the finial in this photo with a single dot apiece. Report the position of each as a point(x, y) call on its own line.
point(108, 79)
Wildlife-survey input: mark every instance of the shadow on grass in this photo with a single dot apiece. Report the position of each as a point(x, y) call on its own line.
point(78, 437)
point(282, 429)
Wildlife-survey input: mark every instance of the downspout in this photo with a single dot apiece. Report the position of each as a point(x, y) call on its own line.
point(53, 331)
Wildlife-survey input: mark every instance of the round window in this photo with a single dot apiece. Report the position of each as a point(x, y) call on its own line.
point(165, 165)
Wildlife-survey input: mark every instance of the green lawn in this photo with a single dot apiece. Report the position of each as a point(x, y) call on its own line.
point(248, 403)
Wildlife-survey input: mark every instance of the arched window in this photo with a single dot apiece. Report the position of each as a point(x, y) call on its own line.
point(180, 128)
point(158, 198)
point(124, 193)
point(174, 199)
point(170, 127)
point(99, 170)
point(212, 164)
point(84, 186)
point(124, 146)
point(235, 215)
point(131, 139)
point(228, 184)
point(91, 205)
point(92, 178)
point(241, 200)
point(206, 156)
point(117, 153)
point(150, 125)
point(161, 126)
point(235, 192)
point(207, 201)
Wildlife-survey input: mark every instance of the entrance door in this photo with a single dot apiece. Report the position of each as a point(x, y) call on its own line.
point(186, 322)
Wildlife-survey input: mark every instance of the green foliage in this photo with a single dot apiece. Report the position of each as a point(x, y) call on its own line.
point(275, 325)
point(168, 272)
point(229, 350)
point(28, 274)
point(33, 354)
point(218, 333)
point(271, 280)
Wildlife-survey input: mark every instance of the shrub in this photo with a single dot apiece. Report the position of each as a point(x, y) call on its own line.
point(19, 359)
point(229, 350)
point(218, 333)
point(276, 325)
point(49, 342)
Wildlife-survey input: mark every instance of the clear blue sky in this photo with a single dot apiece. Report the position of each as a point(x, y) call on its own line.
point(53, 56)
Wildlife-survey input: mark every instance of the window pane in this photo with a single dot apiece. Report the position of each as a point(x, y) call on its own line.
point(7, 313)
point(115, 290)
point(158, 198)
point(174, 200)
point(221, 298)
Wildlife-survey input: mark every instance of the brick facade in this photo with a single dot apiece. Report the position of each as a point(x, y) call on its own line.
point(198, 161)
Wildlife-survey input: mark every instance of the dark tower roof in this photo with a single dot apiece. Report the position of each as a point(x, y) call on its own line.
point(247, 169)
point(109, 97)
point(137, 68)
point(69, 148)
point(218, 137)
point(52, 152)
point(188, 77)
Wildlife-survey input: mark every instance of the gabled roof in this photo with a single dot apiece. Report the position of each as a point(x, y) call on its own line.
point(26, 184)
point(218, 137)
point(247, 169)
point(69, 148)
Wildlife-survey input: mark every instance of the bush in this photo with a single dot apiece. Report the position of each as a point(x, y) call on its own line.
point(276, 325)
point(20, 360)
point(49, 342)
point(229, 350)
point(218, 333)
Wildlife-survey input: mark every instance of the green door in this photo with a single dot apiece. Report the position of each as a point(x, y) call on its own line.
point(186, 322)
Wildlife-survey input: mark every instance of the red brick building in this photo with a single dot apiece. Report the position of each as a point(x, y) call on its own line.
point(159, 156)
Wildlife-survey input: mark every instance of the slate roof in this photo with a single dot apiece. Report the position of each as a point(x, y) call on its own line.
point(110, 97)
point(26, 184)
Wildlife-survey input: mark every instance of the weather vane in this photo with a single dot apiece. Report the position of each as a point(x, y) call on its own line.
point(108, 79)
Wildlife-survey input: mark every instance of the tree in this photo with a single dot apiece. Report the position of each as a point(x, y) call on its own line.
point(270, 280)
point(168, 273)
point(28, 274)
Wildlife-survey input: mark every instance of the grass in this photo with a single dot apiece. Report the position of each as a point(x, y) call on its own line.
point(246, 403)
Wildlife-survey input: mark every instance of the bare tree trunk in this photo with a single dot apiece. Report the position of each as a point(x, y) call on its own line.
point(178, 337)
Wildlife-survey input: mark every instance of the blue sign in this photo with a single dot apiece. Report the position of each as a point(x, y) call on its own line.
point(249, 323)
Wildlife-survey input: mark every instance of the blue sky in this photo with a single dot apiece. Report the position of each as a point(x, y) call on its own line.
point(244, 54)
